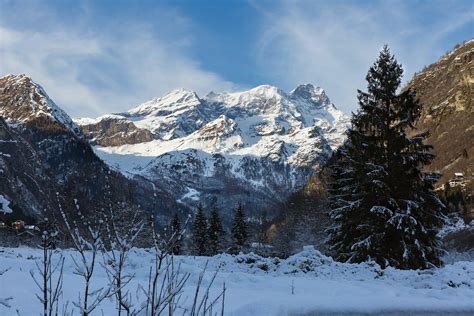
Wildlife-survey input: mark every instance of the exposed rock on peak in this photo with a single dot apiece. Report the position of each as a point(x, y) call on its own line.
point(114, 130)
point(309, 92)
point(221, 126)
point(22, 101)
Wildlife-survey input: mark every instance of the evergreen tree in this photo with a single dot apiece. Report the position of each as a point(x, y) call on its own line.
point(239, 227)
point(200, 232)
point(215, 233)
point(176, 242)
point(383, 206)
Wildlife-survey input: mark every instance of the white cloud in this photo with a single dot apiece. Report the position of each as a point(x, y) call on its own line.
point(90, 73)
point(332, 44)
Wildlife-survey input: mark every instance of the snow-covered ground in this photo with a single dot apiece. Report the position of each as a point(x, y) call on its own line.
point(308, 283)
point(455, 224)
point(4, 204)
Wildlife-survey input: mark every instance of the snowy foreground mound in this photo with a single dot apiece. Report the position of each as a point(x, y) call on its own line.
point(264, 286)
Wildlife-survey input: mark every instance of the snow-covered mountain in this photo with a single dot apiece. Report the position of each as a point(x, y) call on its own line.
point(254, 147)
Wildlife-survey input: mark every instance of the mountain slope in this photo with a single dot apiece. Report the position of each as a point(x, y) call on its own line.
point(255, 146)
point(43, 157)
point(446, 90)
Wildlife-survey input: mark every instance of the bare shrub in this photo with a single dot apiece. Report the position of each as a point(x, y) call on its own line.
point(50, 275)
point(88, 244)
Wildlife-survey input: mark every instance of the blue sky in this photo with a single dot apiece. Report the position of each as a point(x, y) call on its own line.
point(95, 57)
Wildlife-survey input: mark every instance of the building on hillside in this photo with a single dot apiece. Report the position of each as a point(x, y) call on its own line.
point(18, 225)
point(458, 180)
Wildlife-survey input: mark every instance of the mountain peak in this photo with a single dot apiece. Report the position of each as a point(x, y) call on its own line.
point(19, 78)
point(267, 91)
point(311, 93)
point(307, 89)
point(251, 145)
point(180, 92)
point(181, 97)
point(24, 101)
point(269, 110)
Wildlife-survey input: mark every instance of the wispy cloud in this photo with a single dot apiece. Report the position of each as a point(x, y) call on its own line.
point(333, 43)
point(91, 72)
point(106, 56)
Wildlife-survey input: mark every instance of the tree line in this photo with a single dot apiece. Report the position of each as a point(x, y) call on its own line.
point(208, 236)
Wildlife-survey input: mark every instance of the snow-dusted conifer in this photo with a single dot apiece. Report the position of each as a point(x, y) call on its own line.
point(200, 232)
point(215, 232)
point(383, 205)
point(239, 227)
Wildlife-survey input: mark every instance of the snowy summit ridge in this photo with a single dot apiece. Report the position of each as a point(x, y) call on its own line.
point(262, 139)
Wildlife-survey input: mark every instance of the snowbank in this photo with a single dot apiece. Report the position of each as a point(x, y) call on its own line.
point(4, 205)
point(307, 283)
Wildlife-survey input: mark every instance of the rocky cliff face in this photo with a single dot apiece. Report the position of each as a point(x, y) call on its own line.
point(115, 131)
point(43, 157)
point(446, 90)
point(254, 147)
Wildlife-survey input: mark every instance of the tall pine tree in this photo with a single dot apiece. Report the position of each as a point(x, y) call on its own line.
point(215, 233)
point(383, 206)
point(200, 232)
point(239, 227)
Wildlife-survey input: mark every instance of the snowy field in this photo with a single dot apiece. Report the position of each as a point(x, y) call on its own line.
point(305, 284)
